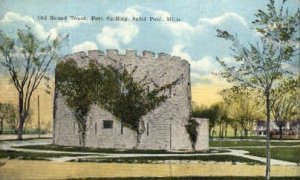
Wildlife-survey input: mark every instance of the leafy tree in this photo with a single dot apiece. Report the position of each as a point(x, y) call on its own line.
point(215, 113)
point(7, 113)
point(75, 84)
point(222, 117)
point(261, 65)
point(131, 100)
point(285, 103)
point(27, 61)
point(243, 108)
point(113, 89)
point(192, 130)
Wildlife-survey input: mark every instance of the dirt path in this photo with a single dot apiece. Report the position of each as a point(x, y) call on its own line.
point(19, 169)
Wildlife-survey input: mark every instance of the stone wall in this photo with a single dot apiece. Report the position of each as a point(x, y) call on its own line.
point(165, 126)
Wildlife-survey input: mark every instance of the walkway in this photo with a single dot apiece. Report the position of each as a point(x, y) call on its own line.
point(12, 145)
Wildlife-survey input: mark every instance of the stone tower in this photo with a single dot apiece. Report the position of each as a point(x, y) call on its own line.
point(164, 126)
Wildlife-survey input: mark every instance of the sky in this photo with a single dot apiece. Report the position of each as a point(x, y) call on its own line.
point(193, 37)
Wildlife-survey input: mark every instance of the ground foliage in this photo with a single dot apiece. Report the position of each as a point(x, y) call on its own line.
point(192, 130)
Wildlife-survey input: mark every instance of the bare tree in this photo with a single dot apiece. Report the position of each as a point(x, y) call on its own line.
point(27, 60)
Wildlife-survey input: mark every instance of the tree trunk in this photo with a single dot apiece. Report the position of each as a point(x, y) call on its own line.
point(1, 127)
point(139, 133)
point(82, 132)
point(268, 153)
point(21, 127)
point(222, 132)
point(241, 133)
point(246, 133)
point(280, 132)
point(22, 116)
point(82, 139)
point(235, 132)
point(138, 139)
point(194, 146)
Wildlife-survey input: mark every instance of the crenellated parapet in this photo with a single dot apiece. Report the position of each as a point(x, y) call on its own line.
point(129, 54)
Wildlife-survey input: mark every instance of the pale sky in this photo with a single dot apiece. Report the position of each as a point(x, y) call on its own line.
point(193, 37)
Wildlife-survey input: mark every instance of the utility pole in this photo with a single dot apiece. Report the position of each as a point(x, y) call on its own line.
point(39, 120)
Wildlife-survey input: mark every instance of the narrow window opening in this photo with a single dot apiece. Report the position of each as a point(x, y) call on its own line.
point(122, 126)
point(147, 129)
point(95, 128)
point(74, 126)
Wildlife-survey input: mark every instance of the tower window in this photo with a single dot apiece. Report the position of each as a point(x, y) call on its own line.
point(107, 124)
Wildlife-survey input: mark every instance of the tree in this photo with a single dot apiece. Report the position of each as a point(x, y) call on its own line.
point(192, 130)
point(243, 108)
point(220, 111)
point(216, 114)
point(261, 66)
point(132, 99)
point(27, 61)
point(75, 84)
point(7, 113)
point(285, 105)
point(112, 88)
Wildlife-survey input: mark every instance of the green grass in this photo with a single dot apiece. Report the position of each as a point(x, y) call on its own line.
point(108, 150)
point(192, 178)
point(248, 143)
point(217, 158)
point(242, 137)
point(291, 154)
point(31, 155)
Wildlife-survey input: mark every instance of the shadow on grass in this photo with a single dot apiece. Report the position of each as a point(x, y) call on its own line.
point(27, 139)
point(32, 155)
point(162, 159)
point(110, 150)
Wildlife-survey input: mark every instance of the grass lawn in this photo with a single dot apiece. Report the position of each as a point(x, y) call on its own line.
point(248, 143)
point(217, 158)
point(291, 154)
point(31, 155)
point(102, 150)
point(192, 178)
